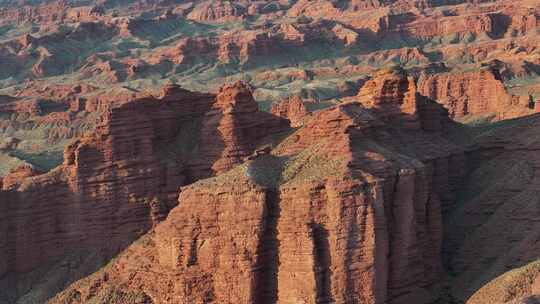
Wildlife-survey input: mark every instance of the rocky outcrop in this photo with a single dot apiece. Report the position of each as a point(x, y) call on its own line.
point(11, 104)
point(85, 13)
point(435, 26)
point(122, 179)
point(292, 108)
point(480, 93)
point(231, 131)
point(346, 209)
point(16, 176)
point(519, 20)
point(217, 11)
point(387, 94)
point(236, 47)
point(49, 13)
point(161, 39)
point(394, 96)
point(44, 13)
point(96, 172)
point(341, 210)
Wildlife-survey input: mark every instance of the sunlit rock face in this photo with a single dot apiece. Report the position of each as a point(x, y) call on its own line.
point(361, 151)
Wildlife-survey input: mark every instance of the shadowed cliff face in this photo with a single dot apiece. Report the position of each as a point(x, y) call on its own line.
point(339, 211)
point(480, 93)
point(371, 201)
point(491, 246)
point(117, 183)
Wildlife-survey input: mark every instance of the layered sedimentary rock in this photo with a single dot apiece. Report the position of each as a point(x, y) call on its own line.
point(434, 26)
point(92, 193)
point(403, 56)
point(233, 47)
point(217, 11)
point(292, 108)
point(340, 211)
point(45, 13)
point(12, 104)
point(474, 93)
point(394, 96)
point(346, 209)
point(202, 43)
point(231, 130)
point(119, 181)
point(16, 176)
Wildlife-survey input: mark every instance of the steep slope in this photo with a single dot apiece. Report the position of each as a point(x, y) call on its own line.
point(494, 227)
point(476, 93)
point(114, 184)
point(340, 211)
point(292, 108)
point(346, 209)
point(204, 44)
point(58, 55)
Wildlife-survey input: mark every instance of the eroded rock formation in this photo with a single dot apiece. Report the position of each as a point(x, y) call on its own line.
point(122, 179)
point(217, 11)
point(480, 93)
point(340, 211)
point(231, 130)
point(345, 208)
point(292, 108)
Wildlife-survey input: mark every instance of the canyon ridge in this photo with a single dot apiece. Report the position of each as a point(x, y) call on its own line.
point(259, 151)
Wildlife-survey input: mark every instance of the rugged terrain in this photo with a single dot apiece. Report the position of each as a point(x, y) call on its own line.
point(480, 59)
point(357, 151)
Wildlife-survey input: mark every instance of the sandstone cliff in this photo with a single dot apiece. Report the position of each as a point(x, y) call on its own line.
point(231, 130)
point(480, 93)
point(119, 181)
point(340, 211)
point(292, 108)
point(345, 208)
